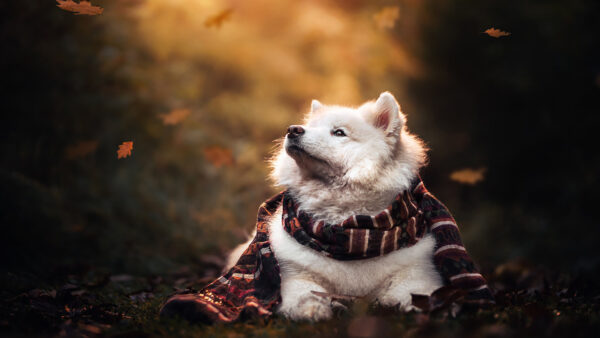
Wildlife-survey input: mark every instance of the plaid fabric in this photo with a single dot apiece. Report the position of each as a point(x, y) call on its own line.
point(252, 287)
point(450, 257)
point(249, 289)
point(358, 237)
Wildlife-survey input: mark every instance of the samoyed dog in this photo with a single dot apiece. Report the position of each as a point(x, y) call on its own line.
point(344, 161)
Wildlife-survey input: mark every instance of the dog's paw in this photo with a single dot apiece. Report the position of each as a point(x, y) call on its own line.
point(407, 307)
point(309, 308)
point(315, 311)
point(399, 300)
point(402, 304)
point(338, 308)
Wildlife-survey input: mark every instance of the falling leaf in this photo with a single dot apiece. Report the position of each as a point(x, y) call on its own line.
point(218, 156)
point(175, 116)
point(468, 175)
point(80, 149)
point(386, 18)
point(79, 8)
point(218, 19)
point(125, 149)
point(496, 33)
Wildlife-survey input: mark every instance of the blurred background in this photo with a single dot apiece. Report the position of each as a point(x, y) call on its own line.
point(203, 88)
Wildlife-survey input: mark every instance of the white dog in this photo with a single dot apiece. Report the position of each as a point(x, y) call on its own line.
point(345, 161)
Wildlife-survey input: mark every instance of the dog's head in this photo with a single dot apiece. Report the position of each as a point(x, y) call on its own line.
point(345, 146)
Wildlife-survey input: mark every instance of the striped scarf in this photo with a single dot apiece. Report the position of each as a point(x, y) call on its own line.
point(251, 288)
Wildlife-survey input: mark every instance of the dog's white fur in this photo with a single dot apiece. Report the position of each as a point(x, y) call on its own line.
point(332, 178)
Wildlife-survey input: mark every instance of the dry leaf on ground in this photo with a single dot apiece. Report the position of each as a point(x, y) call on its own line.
point(496, 33)
point(79, 8)
point(125, 149)
point(175, 116)
point(218, 19)
point(333, 296)
point(468, 175)
point(386, 18)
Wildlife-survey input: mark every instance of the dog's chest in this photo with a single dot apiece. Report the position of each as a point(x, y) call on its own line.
point(356, 277)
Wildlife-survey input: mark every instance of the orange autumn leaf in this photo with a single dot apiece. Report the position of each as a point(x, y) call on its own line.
point(218, 156)
point(125, 149)
point(175, 116)
point(468, 175)
point(386, 18)
point(496, 33)
point(218, 19)
point(93, 329)
point(79, 8)
point(80, 149)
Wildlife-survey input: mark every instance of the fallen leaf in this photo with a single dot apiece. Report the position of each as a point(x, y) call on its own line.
point(496, 33)
point(78, 292)
point(366, 326)
point(421, 318)
point(443, 297)
point(81, 149)
point(339, 303)
point(175, 116)
point(39, 293)
point(141, 296)
point(90, 328)
point(333, 296)
point(218, 19)
point(468, 175)
point(218, 156)
point(386, 18)
point(121, 278)
point(79, 8)
point(125, 149)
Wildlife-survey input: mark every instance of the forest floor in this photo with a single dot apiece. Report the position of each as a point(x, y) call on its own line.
point(89, 302)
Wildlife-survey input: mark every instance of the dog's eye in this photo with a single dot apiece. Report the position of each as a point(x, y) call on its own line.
point(338, 132)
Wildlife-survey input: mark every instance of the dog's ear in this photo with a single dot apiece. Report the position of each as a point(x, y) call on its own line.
point(315, 106)
point(386, 113)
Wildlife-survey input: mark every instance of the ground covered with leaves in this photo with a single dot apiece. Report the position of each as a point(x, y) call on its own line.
point(88, 302)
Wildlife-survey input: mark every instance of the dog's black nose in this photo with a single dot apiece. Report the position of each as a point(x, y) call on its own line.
point(294, 131)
